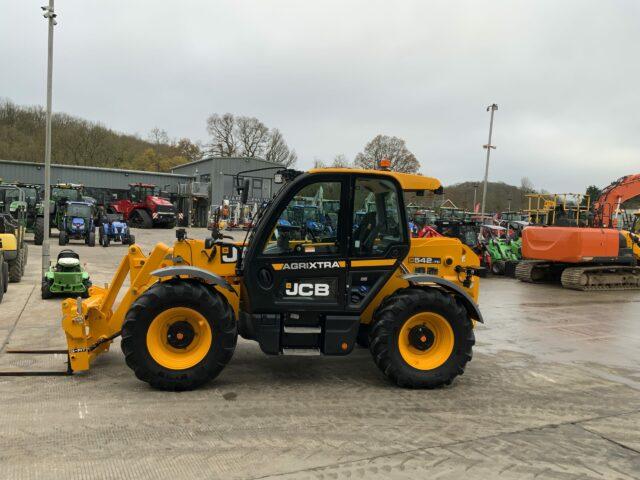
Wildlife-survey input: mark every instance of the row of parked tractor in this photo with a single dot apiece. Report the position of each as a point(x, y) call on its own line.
point(559, 238)
point(496, 239)
point(77, 217)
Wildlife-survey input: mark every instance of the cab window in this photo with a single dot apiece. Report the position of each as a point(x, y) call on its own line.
point(376, 217)
point(309, 223)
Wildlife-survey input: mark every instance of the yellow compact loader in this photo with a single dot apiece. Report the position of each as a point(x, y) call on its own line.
point(346, 273)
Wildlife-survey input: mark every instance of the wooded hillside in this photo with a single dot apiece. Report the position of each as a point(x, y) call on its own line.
point(76, 141)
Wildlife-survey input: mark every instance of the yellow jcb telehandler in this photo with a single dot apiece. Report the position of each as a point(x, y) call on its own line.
point(299, 286)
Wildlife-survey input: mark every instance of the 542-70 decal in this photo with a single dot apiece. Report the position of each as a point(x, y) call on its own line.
point(426, 260)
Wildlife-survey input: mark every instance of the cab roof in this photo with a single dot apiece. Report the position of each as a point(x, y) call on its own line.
point(408, 181)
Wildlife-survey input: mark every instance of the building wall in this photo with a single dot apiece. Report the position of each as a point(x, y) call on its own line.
point(92, 177)
point(223, 171)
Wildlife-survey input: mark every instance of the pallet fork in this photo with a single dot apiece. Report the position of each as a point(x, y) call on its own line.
point(40, 373)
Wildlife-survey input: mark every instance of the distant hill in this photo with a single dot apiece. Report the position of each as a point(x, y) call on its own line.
point(77, 141)
point(499, 195)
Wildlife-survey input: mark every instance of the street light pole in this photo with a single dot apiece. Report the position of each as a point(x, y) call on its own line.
point(475, 191)
point(492, 108)
point(50, 15)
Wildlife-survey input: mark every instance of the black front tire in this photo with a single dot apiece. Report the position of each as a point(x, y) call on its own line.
point(388, 321)
point(171, 294)
point(3, 282)
point(16, 267)
point(141, 219)
point(132, 240)
point(63, 238)
point(87, 285)
point(498, 267)
point(45, 289)
point(38, 231)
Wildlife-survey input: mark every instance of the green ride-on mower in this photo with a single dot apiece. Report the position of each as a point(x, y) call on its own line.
point(66, 278)
point(499, 254)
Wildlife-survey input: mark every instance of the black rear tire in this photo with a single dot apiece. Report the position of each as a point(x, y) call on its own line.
point(91, 241)
point(132, 239)
point(38, 231)
point(392, 315)
point(4, 273)
point(163, 296)
point(63, 239)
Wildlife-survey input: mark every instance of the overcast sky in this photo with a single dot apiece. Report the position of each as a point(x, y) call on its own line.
point(333, 74)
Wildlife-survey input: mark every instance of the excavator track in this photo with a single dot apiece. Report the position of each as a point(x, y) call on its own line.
point(530, 271)
point(601, 278)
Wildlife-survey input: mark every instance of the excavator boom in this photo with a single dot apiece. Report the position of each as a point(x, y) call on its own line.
point(618, 192)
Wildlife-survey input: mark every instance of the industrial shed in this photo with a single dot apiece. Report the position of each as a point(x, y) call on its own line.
point(100, 183)
point(224, 169)
point(188, 186)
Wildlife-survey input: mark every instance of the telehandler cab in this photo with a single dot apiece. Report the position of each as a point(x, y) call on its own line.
point(293, 290)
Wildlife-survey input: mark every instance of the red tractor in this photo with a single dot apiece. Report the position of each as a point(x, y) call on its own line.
point(144, 208)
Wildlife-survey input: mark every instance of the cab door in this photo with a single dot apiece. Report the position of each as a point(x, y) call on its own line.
point(379, 237)
point(298, 262)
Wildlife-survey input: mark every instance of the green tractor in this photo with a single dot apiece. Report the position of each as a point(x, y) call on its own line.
point(35, 211)
point(13, 208)
point(61, 193)
point(499, 253)
point(67, 277)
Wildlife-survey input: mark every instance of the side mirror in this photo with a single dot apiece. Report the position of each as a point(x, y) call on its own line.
point(245, 192)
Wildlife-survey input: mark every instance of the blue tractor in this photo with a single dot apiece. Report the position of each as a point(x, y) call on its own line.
point(114, 229)
point(76, 223)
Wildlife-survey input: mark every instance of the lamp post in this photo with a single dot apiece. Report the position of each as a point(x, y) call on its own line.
point(475, 192)
point(50, 15)
point(491, 108)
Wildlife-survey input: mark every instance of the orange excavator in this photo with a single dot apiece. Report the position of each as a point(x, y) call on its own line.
point(599, 257)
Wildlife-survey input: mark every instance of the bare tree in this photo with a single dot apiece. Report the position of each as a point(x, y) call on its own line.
point(393, 148)
point(292, 158)
point(252, 136)
point(222, 129)
point(159, 138)
point(318, 163)
point(526, 185)
point(340, 161)
point(277, 150)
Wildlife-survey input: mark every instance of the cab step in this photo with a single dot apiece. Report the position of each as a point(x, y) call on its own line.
point(301, 352)
point(299, 329)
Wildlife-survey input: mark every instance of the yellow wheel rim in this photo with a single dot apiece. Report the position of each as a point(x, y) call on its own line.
point(426, 341)
point(179, 338)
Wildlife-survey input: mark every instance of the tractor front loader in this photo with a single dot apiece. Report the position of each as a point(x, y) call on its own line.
point(294, 290)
